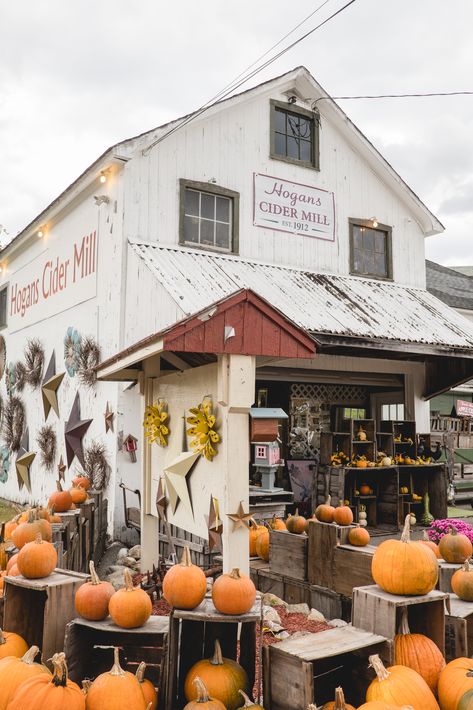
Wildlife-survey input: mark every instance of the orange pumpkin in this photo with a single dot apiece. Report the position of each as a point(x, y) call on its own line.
point(203, 701)
point(148, 689)
point(233, 593)
point(255, 530)
point(14, 671)
point(262, 545)
point(12, 645)
point(130, 607)
point(455, 547)
point(81, 482)
point(381, 705)
point(359, 536)
point(14, 571)
point(361, 464)
point(78, 494)
point(42, 691)
point(222, 677)
point(339, 702)
point(343, 515)
point(116, 689)
point(9, 528)
point(296, 523)
point(60, 500)
point(11, 562)
point(37, 559)
point(462, 582)
point(404, 567)
point(418, 652)
point(92, 598)
point(455, 680)
point(53, 517)
point(277, 523)
point(431, 545)
point(42, 513)
point(400, 685)
point(3, 549)
point(365, 490)
point(27, 532)
point(325, 511)
point(184, 585)
point(249, 703)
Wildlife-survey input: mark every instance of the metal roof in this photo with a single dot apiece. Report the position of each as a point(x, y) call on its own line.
point(346, 306)
point(451, 286)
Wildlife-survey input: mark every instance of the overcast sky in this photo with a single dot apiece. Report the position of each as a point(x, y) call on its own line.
point(77, 76)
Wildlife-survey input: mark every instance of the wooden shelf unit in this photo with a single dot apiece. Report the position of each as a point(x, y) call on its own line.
point(404, 429)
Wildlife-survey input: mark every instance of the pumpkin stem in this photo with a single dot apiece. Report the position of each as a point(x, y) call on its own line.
point(297, 512)
point(328, 500)
point(30, 655)
point(128, 580)
point(339, 700)
point(453, 531)
point(186, 558)
point(94, 578)
point(140, 672)
point(2, 638)
point(202, 692)
point(406, 533)
point(248, 702)
point(60, 670)
point(32, 515)
point(378, 666)
point(235, 573)
point(466, 566)
point(217, 659)
point(116, 669)
point(86, 685)
point(404, 622)
point(38, 539)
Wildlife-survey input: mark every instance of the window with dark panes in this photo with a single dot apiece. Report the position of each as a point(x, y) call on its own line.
point(208, 216)
point(293, 135)
point(3, 306)
point(370, 250)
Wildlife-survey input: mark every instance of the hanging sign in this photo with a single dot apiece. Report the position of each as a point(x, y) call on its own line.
point(464, 409)
point(293, 207)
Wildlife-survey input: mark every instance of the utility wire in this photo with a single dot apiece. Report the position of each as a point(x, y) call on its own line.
point(393, 96)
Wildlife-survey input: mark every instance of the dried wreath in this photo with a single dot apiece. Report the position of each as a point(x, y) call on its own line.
point(34, 362)
point(13, 424)
point(96, 465)
point(89, 358)
point(47, 443)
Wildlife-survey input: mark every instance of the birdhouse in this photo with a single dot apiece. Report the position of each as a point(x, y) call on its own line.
point(265, 423)
point(130, 445)
point(265, 442)
point(267, 454)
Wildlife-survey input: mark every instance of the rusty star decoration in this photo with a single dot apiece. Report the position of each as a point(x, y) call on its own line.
point(161, 502)
point(61, 469)
point(240, 518)
point(23, 462)
point(109, 417)
point(50, 386)
point(215, 526)
point(176, 475)
point(74, 431)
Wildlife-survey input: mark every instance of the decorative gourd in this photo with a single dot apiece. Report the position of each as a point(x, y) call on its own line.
point(78, 494)
point(255, 530)
point(222, 677)
point(455, 547)
point(419, 653)
point(455, 679)
point(386, 461)
point(404, 567)
point(184, 585)
point(362, 463)
point(116, 690)
point(60, 500)
point(12, 561)
point(277, 523)
point(462, 582)
point(130, 607)
point(362, 516)
point(400, 685)
point(12, 645)
point(325, 512)
point(339, 702)
point(148, 689)
point(361, 435)
point(45, 693)
point(81, 482)
point(262, 545)
point(427, 516)
point(248, 703)
point(92, 598)
point(37, 559)
point(233, 593)
point(27, 532)
point(14, 671)
point(466, 701)
point(430, 544)
point(203, 701)
point(343, 515)
point(359, 536)
point(296, 523)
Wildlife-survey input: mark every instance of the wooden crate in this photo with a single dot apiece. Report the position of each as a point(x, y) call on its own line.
point(39, 609)
point(257, 564)
point(323, 539)
point(288, 554)
point(446, 572)
point(307, 669)
point(330, 604)
point(296, 592)
point(87, 647)
point(351, 568)
point(271, 583)
point(199, 548)
point(459, 629)
point(380, 612)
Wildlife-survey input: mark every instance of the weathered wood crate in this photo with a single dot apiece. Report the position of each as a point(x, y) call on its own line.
point(271, 583)
point(288, 554)
point(81, 535)
point(459, 629)
point(39, 609)
point(446, 572)
point(307, 669)
point(380, 612)
point(351, 568)
point(198, 546)
point(256, 564)
point(323, 540)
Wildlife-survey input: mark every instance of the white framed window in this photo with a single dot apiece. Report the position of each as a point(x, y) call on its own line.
point(392, 412)
point(209, 216)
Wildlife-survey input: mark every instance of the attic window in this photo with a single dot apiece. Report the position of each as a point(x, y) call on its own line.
point(294, 135)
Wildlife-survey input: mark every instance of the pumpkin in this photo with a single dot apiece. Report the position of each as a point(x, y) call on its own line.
point(130, 607)
point(14, 571)
point(361, 464)
point(14, 671)
point(380, 705)
point(262, 545)
point(359, 536)
point(78, 494)
point(428, 543)
point(92, 598)
point(400, 685)
point(325, 511)
point(418, 652)
point(12, 645)
point(255, 530)
point(60, 500)
point(455, 547)
point(9, 528)
point(455, 680)
point(222, 677)
point(42, 513)
point(3, 549)
point(53, 517)
point(296, 523)
point(365, 490)
point(203, 701)
point(45, 693)
point(462, 582)
point(37, 559)
point(343, 515)
point(233, 593)
point(404, 567)
point(466, 701)
point(339, 702)
point(248, 703)
point(277, 523)
point(148, 689)
point(116, 690)
point(184, 585)
point(11, 562)
point(81, 482)
point(27, 532)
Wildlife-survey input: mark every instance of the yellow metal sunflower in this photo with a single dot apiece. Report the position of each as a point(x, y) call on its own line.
point(156, 423)
point(203, 429)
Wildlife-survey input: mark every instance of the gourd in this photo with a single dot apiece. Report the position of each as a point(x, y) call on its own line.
point(296, 523)
point(404, 567)
point(255, 531)
point(203, 701)
point(359, 536)
point(400, 685)
point(14, 671)
point(27, 532)
point(60, 500)
point(130, 607)
point(325, 511)
point(12, 645)
point(78, 494)
point(184, 585)
point(343, 515)
point(430, 544)
point(233, 593)
point(361, 435)
point(92, 598)
point(419, 653)
point(462, 582)
point(248, 703)
point(277, 523)
point(339, 702)
point(262, 545)
point(455, 680)
point(116, 690)
point(455, 547)
point(222, 677)
point(148, 689)
point(37, 559)
point(362, 515)
point(427, 516)
point(45, 693)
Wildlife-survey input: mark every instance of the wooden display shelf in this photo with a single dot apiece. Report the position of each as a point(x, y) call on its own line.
point(459, 629)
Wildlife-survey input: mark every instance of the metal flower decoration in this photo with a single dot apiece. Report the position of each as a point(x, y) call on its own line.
point(4, 464)
point(72, 351)
point(156, 423)
point(203, 429)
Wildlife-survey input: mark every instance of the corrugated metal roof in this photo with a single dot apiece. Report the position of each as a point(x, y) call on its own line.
point(320, 303)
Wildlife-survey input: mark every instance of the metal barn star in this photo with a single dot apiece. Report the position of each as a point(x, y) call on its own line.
point(161, 502)
point(109, 417)
point(50, 387)
point(23, 462)
point(74, 431)
point(176, 479)
point(215, 526)
point(240, 518)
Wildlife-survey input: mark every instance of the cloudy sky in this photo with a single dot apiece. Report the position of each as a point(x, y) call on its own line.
point(80, 75)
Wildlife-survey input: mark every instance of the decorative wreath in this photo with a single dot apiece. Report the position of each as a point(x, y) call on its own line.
point(47, 443)
point(10, 377)
point(3, 356)
point(96, 465)
point(89, 358)
point(203, 429)
point(72, 349)
point(156, 423)
point(20, 376)
point(34, 362)
point(4, 464)
point(13, 424)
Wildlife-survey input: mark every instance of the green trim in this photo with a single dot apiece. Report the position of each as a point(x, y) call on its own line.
point(389, 257)
point(314, 163)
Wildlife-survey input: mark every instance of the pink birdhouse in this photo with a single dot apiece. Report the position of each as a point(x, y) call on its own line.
point(130, 445)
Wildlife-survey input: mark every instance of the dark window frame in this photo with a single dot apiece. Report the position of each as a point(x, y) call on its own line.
point(211, 189)
point(314, 162)
point(368, 223)
point(4, 324)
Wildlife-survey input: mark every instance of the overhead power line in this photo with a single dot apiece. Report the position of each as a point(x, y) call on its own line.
point(394, 96)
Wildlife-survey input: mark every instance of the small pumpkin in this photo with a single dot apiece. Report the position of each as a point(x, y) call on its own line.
point(359, 536)
point(92, 598)
point(10, 526)
point(43, 692)
point(130, 607)
point(262, 545)
point(148, 689)
point(184, 585)
point(455, 547)
point(325, 512)
point(14, 671)
point(3, 549)
point(343, 515)
point(115, 689)
point(277, 523)
point(431, 545)
point(81, 482)
point(361, 463)
point(11, 562)
point(222, 677)
point(78, 494)
point(462, 582)
point(455, 680)
point(400, 685)
point(255, 530)
point(12, 645)
point(37, 559)
point(381, 705)
point(53, 517)
point(14, 571)
point(296, 523)
point(203, 701)
point(339, 702)
point(248, 703)
point(365, 490)
point(233, 593)
point(28, 531)
point(60, 500)
point(418, 652)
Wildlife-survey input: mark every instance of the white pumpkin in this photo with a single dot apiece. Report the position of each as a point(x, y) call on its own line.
point(386, 461)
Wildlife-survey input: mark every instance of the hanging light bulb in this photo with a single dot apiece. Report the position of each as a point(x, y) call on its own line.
point(103, 178)
point(40, 233)
point(374, 221)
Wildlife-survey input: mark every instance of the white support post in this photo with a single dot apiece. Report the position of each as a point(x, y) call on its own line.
point(149, 523)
